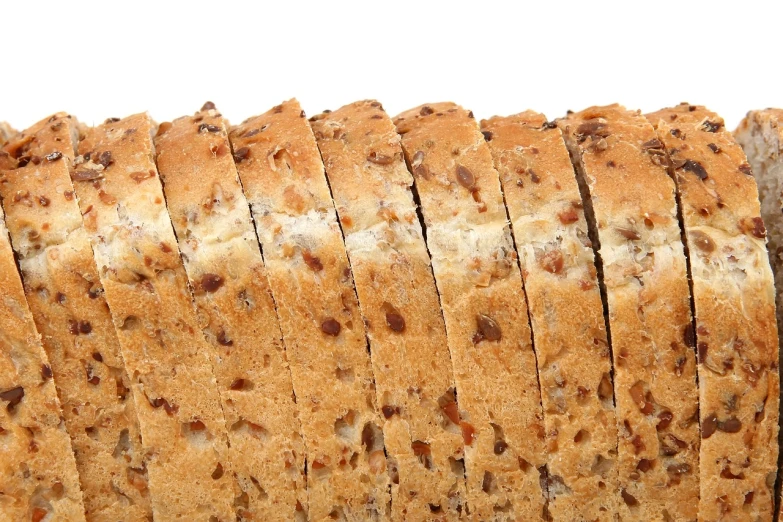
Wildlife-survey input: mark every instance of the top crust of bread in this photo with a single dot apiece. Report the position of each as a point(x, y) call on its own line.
point(211, 218)
point(483, 302)
point(64, 292)
point(399, 302)
point(734, 300)
point(37, 467)
point(168, 359)
point(632, 202)
point(561, 284)
point(284, 181)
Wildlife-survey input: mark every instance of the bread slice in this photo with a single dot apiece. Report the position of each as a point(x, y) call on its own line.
point(399, 302)
point(734, 302)
point(561, 284)
point(169, 361)
point(66, 298)
point(38, 476)
point(211, 218)
point(283, 177)
point(477, 274)
point(632, 211)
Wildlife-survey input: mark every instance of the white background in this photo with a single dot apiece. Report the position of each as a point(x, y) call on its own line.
point(97, 60)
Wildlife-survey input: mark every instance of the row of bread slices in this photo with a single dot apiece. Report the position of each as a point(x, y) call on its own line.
point(189, 336)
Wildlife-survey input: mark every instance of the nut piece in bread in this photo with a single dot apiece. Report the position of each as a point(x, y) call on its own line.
point(734, 302)
point(168, 359)
point(311, 281)
point(566, 312)
point(211, 218)
point(66, 299)
point(399, 302)
point(631, 207)
point(483, 302)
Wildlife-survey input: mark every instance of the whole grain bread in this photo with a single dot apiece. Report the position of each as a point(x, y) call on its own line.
point(734, 302)
point(399, 302)
point(310, 277)
point(169, 361)
point(483, 302)
point(211, 218)
point(632, 211)
point(66, 298)
point(561, 284)
point(38, 475)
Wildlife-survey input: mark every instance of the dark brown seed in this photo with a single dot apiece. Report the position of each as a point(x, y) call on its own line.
point(500, 447)
point(689, 336)
point(54, 156)
point(312, 261)
point(94, 380)
point(208, 106)
point(13, 397)
point(653, 144)
point(111, 120)
point(758, 229)
point(85, 327)
point(730, 425)
point(745, 169)
point(708, 426)
point(712, 126)
point(395, 321)
point(714, 148)
point(241, 154)
point(549, 125)
point(664, 419)
point(380, 159)
point(629, 234)
point(238, 384)
point(487, 135)
point(426, 110)
point(629, 499)
point(388, 411)
point(702, 241)
point(86, 175)
point(105, 159)
point(211, 282)
point(218, 472)
point(97, 356)
point(644, 465)
point(593, 129)
point(46, 371)
point(208, 127)
point(488, 328)
point(331, 327)
point(465, 177)
point(73, 327)
point(695, 167)
point(676, 133)
point(43, 201)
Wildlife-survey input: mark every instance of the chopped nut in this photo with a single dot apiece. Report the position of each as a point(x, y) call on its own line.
point(312, 261)
point(330, 326)
point(211, 282)
point(208, 127)
point(13, 397)
point(54, 156)
point(87, 175)
point(105, 159)
point(714, 148)
point(711, 126)
point(395, 321)
point(664, 420)
point(694, 167)
point(745, 169)
point(241, 154)
point(488, 328)
point(426, 110)
point(551, 261)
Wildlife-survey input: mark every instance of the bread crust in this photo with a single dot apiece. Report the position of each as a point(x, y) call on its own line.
point(561, 284)
point(169, 361)
point(484, 308)
point(38, 475)
point(399, 302)
point(66, 299)
point(633, 203)
point(283, 178)
point(212, 221)
point(734, 302)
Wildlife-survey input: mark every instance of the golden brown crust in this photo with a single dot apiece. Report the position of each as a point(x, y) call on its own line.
point(734, 302)
point(283, 177)
point(634, 207)
point(216, 237)
point(64, 292)
point(558, 269)
point(169, 361)
point(484, 308)
point(38, 475)
point(399, 302)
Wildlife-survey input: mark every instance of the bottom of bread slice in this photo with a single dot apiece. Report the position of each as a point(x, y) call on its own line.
point(38, 476)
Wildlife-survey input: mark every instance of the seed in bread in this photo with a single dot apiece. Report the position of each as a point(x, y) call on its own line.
point(399, 302)
point(168, 359)
point(483, 302)
point(212, 221)
point(283, 176)
point(66, 299)
point(561, 284)
point(631, 208)
point(734, 303)
point(38, 475)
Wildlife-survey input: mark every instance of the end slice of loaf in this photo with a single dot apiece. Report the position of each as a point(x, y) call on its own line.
point(212, 221)
point(399, 302)
point(38, 475)
point(66, 298)
point(734, 300)
point(168, 360)
point(284, 181)
point(561, 284)
point(483, 302)
point(632, 209)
